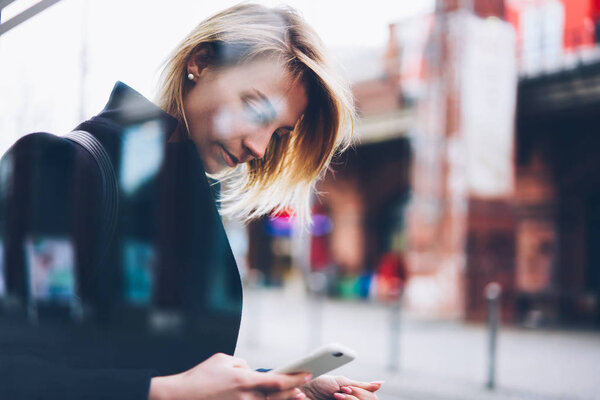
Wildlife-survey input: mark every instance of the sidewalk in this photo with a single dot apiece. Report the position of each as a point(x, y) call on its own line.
point(438, 360)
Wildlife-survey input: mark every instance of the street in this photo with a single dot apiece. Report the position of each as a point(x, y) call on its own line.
point(437, 359)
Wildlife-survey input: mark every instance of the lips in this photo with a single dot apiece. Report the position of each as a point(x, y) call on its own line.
point(229, 158)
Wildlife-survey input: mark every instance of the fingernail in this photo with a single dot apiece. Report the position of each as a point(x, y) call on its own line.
point(307, 377)
point(339, 396)
point(346, 389)
point(299, 395)
point(377, 382)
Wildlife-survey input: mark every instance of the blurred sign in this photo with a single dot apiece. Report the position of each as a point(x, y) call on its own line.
point(410, 36)
point(51, 269)
point(281, 224)
point(138, 260)
point(542, 36)
point(551, 33)
point(488, 85)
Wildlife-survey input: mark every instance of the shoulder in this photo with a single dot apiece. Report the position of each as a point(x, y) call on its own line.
point(46, 154)
point(38, 143)
point(44, 149)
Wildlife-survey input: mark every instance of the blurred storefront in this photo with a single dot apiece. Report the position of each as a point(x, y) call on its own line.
point(558, 164)
point(495, 203)
point(357, 239)
point(459, 236)
point(555, 203)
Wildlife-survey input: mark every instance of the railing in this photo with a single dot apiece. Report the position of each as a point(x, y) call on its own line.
point(24, 15)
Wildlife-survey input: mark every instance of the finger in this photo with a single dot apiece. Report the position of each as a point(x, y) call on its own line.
point(374, 386)
point(370, 386)
point(272, 382)
point(359, 393)
point(290, 394)
point(340, 396)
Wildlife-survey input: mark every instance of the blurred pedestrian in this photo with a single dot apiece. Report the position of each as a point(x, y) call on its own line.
point(390, 277)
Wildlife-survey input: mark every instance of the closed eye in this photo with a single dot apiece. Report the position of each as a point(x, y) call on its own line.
point(259, 108)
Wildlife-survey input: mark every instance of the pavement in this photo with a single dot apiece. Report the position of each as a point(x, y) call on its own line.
point(435, 360)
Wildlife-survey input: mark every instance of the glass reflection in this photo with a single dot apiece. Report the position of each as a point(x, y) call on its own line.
point(138, 260)
point(51, 269)
point(2, 279)
point(142, 155)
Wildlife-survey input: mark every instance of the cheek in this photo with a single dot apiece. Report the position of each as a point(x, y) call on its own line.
point(229, 122)
point(223, 122)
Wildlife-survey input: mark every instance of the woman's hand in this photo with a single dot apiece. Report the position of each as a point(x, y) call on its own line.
point(327, 387)
point(226, 378)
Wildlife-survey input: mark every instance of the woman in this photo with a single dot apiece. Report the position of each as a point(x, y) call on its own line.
point(250, 100)
point(251, 87)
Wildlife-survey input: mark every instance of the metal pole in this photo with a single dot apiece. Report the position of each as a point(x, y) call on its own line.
point(317, 285)
point(492, 291)
point(254, 282)
point(395, 308)
point(395, 311)
point(4, 3)
point(25, 15)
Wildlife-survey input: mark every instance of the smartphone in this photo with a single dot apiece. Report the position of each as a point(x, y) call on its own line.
point(320, 361)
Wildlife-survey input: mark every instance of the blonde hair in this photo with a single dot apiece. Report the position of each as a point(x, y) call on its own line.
point(285, 176)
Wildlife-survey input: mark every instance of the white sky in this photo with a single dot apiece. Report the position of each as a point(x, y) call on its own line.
point(40, 60)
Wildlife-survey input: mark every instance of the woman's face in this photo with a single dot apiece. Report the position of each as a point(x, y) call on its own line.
point(234, 112)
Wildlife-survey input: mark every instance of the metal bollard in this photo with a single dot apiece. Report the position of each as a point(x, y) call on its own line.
point(317, 285)
point(395, 307)
point(254, 281)
point(492, 292)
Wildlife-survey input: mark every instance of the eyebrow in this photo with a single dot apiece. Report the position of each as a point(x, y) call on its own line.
point(264, 98)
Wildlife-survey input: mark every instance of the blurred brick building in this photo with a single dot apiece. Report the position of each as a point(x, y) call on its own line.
point(558, 165)
point(366, 189)
point(363, 196)
point(494, 203)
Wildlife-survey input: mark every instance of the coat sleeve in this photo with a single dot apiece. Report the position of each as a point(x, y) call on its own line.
point(29, 378)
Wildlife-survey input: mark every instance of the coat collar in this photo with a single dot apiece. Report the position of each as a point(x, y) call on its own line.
point(126, 106)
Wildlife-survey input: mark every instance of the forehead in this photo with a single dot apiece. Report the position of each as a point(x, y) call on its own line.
point(265, 74)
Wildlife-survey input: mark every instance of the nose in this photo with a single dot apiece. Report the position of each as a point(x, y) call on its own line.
point(256, 143)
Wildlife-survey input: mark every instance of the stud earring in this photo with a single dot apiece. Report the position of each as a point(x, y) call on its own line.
point(191, 76)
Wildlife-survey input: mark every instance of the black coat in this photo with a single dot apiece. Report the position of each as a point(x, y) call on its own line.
point(162, 297)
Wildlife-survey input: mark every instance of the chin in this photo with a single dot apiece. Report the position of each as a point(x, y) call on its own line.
point(214, 167)
point(212, 170)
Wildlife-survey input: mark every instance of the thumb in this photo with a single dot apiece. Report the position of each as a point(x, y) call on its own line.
point(270, 381)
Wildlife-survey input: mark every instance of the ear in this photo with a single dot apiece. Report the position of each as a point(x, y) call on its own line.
point(201, 58)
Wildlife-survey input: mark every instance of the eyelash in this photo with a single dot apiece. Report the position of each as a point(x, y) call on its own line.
point(261, 116)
